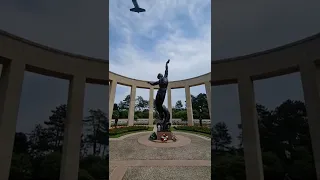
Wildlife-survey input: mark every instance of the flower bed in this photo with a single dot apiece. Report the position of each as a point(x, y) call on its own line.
point(123, 130)
point(117, 132)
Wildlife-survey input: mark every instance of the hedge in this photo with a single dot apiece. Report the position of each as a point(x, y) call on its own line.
point(199, 129)
point(122, 130)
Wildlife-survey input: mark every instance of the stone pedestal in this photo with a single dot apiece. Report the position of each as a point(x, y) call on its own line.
point(159, 134)
point(164, 128)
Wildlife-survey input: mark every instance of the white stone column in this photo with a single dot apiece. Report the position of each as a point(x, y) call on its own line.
point(112, 94)
point(208, 93)
point(310, 78)
point(132, 105)
point(250, 130)
point(169, 103)
point(10, 91)
point(73, 129)
point(189, 106)
point(151, 104)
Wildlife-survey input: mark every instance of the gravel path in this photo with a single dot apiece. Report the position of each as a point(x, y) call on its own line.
point(130, 160)
point(168, 173)
point(130, 149)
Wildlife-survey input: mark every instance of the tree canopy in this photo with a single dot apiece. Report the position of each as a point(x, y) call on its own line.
point(178, 111)
point(37, 155)
point(285, 144)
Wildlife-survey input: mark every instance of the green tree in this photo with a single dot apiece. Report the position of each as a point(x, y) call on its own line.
point(123, 114)
point(104, 136)
point(220, 136)
point(200, 105)
point(124, 104)
point(181, 115)
point(284, 131)
point(292, 119)
point(178, 105)
point(39, 141)
point(95, 129)
point(141, 104)
point(55, 127)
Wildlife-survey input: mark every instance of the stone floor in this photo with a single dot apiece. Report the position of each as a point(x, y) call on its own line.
point(131, 160)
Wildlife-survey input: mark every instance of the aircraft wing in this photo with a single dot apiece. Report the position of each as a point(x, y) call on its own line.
point(135, 3)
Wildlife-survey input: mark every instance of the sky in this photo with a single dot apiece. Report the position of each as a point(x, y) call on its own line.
point(140, 44)
point(80, 26)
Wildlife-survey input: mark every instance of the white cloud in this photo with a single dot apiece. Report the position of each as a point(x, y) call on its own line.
point(179, 30)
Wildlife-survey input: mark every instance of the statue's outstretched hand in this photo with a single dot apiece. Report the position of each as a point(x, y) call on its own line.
point(168, 61)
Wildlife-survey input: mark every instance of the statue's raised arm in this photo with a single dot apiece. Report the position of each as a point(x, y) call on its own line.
point(166, 71)
point(153, 83)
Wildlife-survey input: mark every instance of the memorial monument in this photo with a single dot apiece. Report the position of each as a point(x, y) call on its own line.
point(163, 125)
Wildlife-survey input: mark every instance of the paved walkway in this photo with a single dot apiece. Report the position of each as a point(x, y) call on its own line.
point(131, 160)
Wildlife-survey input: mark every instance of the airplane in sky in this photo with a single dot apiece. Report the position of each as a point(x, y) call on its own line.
point(136, 7)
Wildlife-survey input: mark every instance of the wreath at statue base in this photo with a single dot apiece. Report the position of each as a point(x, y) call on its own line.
point(163, 137)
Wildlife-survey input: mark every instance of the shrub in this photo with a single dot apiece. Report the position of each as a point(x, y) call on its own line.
point(153, 136)
point(200, 129)
point(122, 130)
point(181, 115)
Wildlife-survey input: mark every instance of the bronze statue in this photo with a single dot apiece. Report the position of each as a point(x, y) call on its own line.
point(161, 95)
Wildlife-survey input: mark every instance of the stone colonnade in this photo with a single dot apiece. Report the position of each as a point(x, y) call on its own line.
point(302, 57)
point(18, 55)
point(310, 77)
point(172, 85)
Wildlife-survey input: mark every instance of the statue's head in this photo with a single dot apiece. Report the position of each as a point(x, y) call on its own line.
point(160, 76)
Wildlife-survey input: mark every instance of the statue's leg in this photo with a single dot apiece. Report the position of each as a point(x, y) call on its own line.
point(162, 96)
point(167, 118)
point(156, 103)
point(165, 113)
point(160, 111)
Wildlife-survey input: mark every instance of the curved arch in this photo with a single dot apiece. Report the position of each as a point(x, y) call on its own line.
point(274, 62)
point(173, 84)
point(49, 61)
